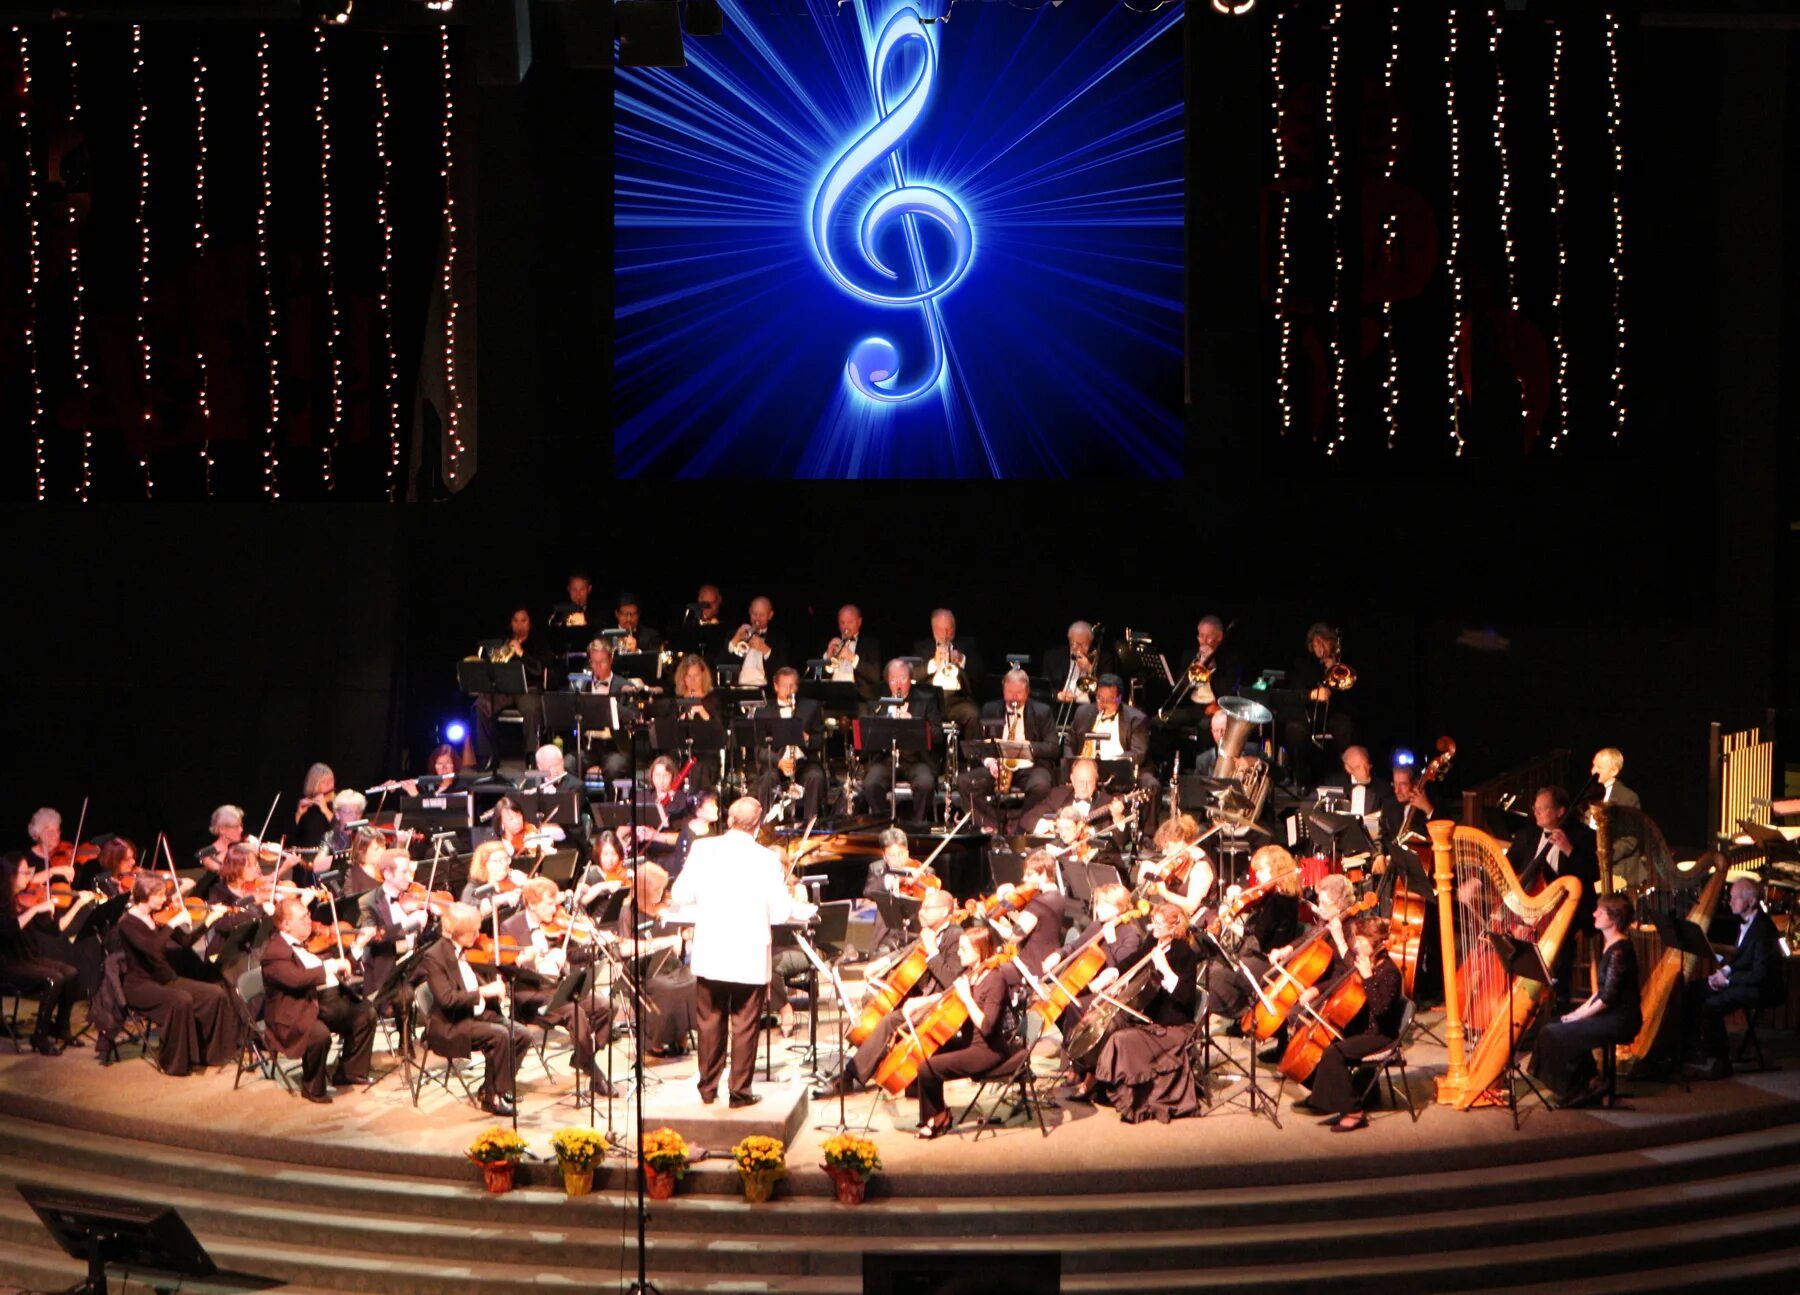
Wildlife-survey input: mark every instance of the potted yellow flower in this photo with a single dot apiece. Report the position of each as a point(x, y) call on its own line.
point(761, 1161)
point(498, 1151)
point(665, 1156)
point(578, 1151)
point(850, 1161)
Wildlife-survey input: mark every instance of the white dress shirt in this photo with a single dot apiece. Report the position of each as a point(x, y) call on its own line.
point(732, 889)
point(1105, 733)
point(311, 961)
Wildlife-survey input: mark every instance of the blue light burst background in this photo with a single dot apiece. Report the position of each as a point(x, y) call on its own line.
point(1058, 131)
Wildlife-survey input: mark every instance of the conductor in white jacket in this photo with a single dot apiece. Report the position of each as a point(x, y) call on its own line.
point(732, 889)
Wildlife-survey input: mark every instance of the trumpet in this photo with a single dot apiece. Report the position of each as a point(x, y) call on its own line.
point(740, 641)
point(505, 652)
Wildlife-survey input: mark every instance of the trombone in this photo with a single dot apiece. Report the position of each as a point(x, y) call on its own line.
point(1081, 679)
point(1339, 677)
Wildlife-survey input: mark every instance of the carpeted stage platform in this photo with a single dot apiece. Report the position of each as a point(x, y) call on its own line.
point(371, 1194)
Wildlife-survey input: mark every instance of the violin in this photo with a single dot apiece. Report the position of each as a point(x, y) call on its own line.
point(1077, 970)
point(269, 890)
point(943, 1022)
point(68, 855)
point(992, 906)
point(415, 897)
point(198, 910)
point(1288, 980)
point(581, 930)
point(1234, 907)
point(483, 954)
point(328, 937)
point(919, 881)
point(885, 991)
point(61, 892)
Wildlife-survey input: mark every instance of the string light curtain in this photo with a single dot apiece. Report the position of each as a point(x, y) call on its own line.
point(1400, 230)
point(228, 241)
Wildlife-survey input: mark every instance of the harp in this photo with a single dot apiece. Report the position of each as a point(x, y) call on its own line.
point(1478, 892)
point(1673, 969)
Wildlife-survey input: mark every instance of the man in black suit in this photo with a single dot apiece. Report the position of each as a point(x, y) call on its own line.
point(853, 656)
point(469, 1015)
point(938, 938)
point(1224, 677)
point(953, 667)
point(542, 965)
point(577, 613)
point(1753, 974)
point(303, 1006)
point(1550, 848)
point(1082, 790)
point(1609, 762)
point(639, 638)
point(1334, 708)
point(920, 766)
point(388, 931)
point(1407, 790)
point(1118, 732)
point(756, 648)
point(788, 768)
point(1366, 796)
point(605, 748)
point(1068, 663)
point(1014, 718)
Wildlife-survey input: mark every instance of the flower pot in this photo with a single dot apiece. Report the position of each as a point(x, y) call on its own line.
point(659, 1184)
point(577, 1181)
point(758, 1184)
point(498, 1176)
point(850, 1184)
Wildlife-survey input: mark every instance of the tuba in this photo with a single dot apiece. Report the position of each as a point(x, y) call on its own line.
point(1242, 716)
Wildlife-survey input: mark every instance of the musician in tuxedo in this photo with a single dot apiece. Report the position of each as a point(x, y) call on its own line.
point(1014, 718)
point(605, 749)
point(782, 770)
point(1406, 790)
point(1555, 845)
point(388, 931)
point(1082, 791)
point(576, 612)
point(853, 656)
point(1225, 677)
point(938, 937)
point(304, 1005)
point(1066, 664)
point(543, 963)
point(468, 1014)
point(1117, 732)
point(1609, 763)
point(758, 649)
point(953, 667)
point(733, 890)
point(529, 704)
point(638, 637)
point(1365, 794)
point(1753, 973)
point(920, 766)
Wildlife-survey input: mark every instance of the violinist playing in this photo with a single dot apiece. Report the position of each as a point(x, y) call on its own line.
point(523, 841)
point(227, 828)
point(980, 1046)
point(118, 864)
point(609, 872)
point(493, 881)
point(1270, 919)
point(888, 872)
point(45, 831)
point(1036, 928)
point(939, 939)
point(544, 961)
point(389, 923)
point(467, 1014)
point(1143, 1064)
point(1372, 1030)
point(51, 919)
point(1115, 931)
point(24, 968)
point(195, 1020)
point(1181, 874)
point(305, 1005)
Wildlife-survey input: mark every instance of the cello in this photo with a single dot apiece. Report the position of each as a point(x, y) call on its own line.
point(1310, 956)
point(1076, 971)
point(886, 990)
point(1330, 1015)
point(912, 1047)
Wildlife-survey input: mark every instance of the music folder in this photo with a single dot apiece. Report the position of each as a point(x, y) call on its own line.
point(491, 677)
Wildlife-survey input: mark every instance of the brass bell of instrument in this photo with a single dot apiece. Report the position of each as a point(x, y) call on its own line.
point(1340, 677)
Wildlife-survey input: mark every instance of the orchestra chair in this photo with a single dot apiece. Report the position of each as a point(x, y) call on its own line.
point(258, 1051)
point(1749, 1050)
point(418, 1056)
point(18, 994)
point(1012, 1083)
point(1378, 1066)
point(134, 1026)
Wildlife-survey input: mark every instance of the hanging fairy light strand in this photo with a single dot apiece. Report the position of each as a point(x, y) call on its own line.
point(322, 114)
point(454, 398)
point(1284, 390)
point(1558, 203)
point(141, 151)
point(1390, 229)
point(40, 449)
point(1452, 255)
point(207, 462)
point(1614, 134)
point(1504, 163)
point(78, 360)
point(271, 457)
point(1334, 180)
point(390, 380)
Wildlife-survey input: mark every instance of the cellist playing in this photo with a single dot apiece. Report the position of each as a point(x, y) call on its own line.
point(1335, 896)
point(1371, 1030)
point(1122, 940)
point(979, 1047)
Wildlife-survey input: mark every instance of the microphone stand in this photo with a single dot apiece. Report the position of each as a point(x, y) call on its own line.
point(643, 1284)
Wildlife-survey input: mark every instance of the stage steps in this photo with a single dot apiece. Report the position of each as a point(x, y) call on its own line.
point(1571, 1221)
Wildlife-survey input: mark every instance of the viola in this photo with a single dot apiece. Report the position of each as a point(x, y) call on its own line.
point(886, 991)
point(197, 909)
point(1077, 970)
point(68, 854)
point(911, 1048)
point(1331, 1014)
point(1284, 984)
point(60, 891)
point(580, 930)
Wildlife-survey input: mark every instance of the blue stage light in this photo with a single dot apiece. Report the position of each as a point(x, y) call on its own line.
point(1404, 759)
point(455, 731)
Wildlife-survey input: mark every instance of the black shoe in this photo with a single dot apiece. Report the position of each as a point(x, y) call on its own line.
point(745, 1099)
point(70, 1041)
point(1272, 1054)
point(600, 1085)
point(497, 1104)
point(45, 1044)
point(836, 1086)
point(322, 1099)
point(707, 1099)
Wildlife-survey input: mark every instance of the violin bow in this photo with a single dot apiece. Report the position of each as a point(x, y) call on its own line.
point(75, 850)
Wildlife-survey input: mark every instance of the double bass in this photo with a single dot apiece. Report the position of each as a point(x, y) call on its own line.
point(912, 1047)
point(1406, 907)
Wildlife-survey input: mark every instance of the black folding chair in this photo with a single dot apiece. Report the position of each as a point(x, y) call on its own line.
point(1381, 1065)
point(1014, 1083)
point(419, 1054)
point(258, 1051)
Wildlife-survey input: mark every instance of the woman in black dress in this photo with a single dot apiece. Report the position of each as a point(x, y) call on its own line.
point(22, 967)
point(1145, 1065)
point(1564, 1056)
point(313, 816)
point(670, 985)
point(979, 1046)
point(1272, 921)
point(196, 1020)
point(1371, 1030)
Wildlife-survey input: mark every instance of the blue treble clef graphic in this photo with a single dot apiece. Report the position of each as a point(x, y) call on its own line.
point(874, 362)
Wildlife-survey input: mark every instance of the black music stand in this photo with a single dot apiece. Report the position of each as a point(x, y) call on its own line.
point(1679, 933)
point(114, 1230)
point(1522, 962)
point(1256, 1099)
point(835, 696)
